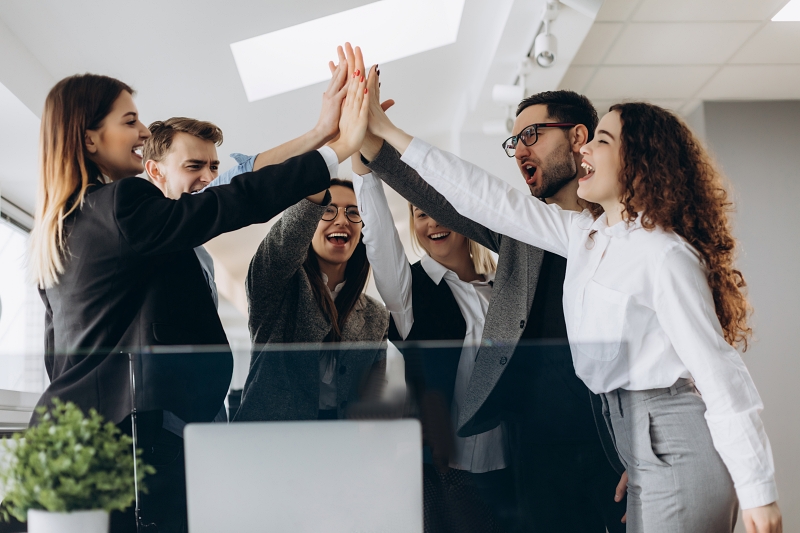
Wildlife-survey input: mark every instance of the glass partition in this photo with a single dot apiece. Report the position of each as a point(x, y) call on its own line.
point(495, 420)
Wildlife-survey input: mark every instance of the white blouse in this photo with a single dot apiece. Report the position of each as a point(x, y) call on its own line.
point(477, 453)
point(637, 304)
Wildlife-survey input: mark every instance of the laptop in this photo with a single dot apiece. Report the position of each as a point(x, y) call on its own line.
point(295, 477)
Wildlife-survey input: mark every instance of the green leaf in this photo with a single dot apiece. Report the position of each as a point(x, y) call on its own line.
point(69, 462)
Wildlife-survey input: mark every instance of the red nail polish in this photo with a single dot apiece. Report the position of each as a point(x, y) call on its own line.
point(366, 90)
point(362, 78)
point(357, 72)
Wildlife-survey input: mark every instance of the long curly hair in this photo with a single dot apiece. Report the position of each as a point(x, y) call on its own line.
point(668, 176)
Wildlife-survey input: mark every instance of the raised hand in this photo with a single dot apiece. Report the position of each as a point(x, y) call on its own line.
point(379, 122)
point(328, 123)
point(354, 118)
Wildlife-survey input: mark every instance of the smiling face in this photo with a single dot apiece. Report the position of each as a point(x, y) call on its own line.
point(190, 165)
point(116, 146)
point(442, 244)
point(602, 162)
point(550, 164)
point(335, 240)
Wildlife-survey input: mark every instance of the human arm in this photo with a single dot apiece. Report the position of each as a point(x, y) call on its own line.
point(686, 311)
point(280, 254)
point(476, 194)
point(384, 250)
point(325, 130)
point(388, 167)
point(152, 224)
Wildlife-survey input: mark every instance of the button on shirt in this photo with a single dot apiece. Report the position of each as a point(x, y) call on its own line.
point(639, 310)
point(478, 453)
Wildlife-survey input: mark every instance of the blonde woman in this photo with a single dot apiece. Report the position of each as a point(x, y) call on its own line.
point(444, 296)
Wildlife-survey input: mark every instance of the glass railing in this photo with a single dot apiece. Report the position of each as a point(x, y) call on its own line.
point(358, 437)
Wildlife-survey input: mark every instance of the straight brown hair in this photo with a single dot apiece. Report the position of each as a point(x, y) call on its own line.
point(73, 106)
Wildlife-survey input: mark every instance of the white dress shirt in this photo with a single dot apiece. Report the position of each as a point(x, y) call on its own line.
point(478, 453)
point(638, 307)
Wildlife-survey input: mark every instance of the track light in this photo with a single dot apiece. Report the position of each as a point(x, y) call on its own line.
point(545, 46)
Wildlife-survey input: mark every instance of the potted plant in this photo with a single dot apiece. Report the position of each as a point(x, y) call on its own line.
point(67, 473)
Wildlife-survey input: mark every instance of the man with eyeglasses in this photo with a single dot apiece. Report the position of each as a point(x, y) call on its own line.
point(562, 454)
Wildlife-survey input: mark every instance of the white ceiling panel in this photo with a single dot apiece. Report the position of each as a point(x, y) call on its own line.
point(775, 43)
point(754, 82)
point(616, 10)
point(696, 10)
point(669, 82)
point(597, 43)
point(576, 78)
point(701, 43)
point(603, 105)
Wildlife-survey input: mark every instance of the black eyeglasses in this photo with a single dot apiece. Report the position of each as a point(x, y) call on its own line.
point(530, 134)
point(351, 212)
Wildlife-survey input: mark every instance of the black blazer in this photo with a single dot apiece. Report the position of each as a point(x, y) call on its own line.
point(133, 284)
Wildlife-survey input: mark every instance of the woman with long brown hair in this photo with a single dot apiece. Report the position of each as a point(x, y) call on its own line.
point(115, 265)
point(654, 308)
point(306, 286)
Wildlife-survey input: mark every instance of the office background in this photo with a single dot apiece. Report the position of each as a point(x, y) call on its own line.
point(722, 64)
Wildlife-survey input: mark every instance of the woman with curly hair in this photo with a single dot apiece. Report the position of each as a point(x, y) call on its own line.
point(655, 311)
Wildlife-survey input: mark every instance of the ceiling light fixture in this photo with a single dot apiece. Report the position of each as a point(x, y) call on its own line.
point(545, 46)
point(295, 57)
point(789, 13)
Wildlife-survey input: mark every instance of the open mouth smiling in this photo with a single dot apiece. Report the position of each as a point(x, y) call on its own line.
point(137, 151)
point(338, 238)
point(439, 236)
point(589, 170)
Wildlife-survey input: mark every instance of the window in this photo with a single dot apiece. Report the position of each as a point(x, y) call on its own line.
point(21, 317)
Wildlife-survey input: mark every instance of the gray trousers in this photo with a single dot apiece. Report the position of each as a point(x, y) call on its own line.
point(677, 482)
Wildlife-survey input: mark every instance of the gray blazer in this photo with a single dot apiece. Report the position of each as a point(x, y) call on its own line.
point(512, 294)
point(283, 383)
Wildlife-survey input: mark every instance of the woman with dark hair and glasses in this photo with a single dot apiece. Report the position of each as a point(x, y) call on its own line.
point(306, 285)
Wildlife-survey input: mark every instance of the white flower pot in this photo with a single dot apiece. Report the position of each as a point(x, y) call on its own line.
point(74, 522)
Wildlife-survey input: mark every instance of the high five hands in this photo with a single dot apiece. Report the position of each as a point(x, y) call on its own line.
point(354, 110)
point(379, 126)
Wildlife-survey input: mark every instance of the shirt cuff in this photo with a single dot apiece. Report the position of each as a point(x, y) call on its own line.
point(757, 495)
point(415, 153)
point(331, 159)
point(366, 181)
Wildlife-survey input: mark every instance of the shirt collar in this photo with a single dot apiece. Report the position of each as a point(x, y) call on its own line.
point(620, 229)
point(436, 271)
point(336, 290)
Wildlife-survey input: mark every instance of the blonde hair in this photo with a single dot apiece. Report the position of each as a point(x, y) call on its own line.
point(481, 257)
point(73, 106)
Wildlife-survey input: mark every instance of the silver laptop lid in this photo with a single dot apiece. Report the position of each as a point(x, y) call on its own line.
point(332, 476)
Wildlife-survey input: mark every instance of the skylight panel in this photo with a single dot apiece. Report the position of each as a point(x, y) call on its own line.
point(295, 57)
point(789, 13)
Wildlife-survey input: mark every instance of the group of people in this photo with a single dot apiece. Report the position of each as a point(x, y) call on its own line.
point(644, 417)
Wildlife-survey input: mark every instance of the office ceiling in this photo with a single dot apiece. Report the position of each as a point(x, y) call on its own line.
point(176, 55)
point(678, 53)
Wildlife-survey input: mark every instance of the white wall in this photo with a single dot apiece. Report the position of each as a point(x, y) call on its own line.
point(757, 145)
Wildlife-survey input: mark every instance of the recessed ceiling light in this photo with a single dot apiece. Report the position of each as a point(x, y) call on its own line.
point(298, 56)
point(789, 13)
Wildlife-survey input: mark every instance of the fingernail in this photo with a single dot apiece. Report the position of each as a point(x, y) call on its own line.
point(616, 498)
point(379, 85)
point(366, 90)
point(357, 72)
point(362, 78)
